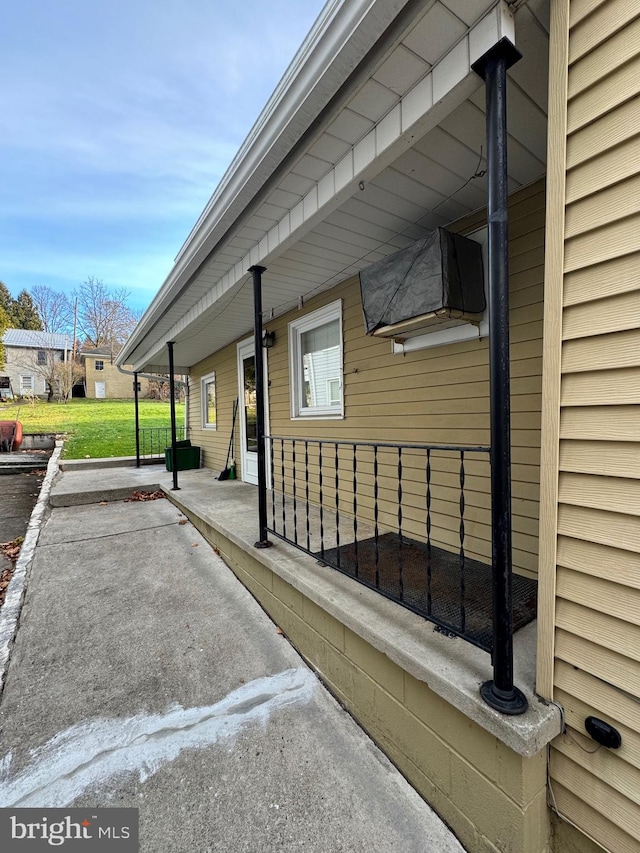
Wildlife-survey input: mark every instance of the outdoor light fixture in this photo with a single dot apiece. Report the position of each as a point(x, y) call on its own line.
point(268, 339)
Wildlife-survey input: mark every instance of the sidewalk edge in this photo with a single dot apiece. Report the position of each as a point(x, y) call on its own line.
point(12, 607)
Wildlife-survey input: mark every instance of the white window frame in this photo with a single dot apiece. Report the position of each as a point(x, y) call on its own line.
point(297, 328)
point(99, 365)
point(204, 381)
point(32, 387)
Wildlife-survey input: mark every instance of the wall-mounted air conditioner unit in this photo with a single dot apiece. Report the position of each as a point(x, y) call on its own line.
point(433, 284)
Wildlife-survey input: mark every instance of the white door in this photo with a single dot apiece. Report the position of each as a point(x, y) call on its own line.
point(101, 390)
point(247, 411)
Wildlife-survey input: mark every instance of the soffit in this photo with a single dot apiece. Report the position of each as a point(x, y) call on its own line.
point(431, 184)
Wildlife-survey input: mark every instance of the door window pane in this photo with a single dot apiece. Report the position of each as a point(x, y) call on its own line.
point(250, 408)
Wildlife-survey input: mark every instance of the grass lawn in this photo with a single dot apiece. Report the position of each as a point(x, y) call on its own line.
point(96, 428)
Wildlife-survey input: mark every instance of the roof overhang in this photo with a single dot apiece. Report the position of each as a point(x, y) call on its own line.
point(377, 118)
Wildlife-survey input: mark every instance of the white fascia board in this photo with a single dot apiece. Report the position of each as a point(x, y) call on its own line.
point(343, 35)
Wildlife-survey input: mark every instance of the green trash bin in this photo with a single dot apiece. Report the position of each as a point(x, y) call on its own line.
point(187, 456)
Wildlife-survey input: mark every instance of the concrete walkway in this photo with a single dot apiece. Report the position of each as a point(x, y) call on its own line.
point(144, 674)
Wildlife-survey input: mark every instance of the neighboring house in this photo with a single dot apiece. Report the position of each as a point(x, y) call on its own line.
point(103, 379)
point(374, 138)
point(29, 359)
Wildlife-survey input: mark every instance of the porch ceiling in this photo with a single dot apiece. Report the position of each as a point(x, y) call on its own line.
point(430, 182)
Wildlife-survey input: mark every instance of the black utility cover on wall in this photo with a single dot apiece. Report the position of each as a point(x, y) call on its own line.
point(603, 733)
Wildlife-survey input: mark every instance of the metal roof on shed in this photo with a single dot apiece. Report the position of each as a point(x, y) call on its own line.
point(36, 340)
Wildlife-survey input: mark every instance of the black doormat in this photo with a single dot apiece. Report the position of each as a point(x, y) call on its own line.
point(402, 573)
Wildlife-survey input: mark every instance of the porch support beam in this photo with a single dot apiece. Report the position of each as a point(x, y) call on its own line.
point(263, 540)
point(172, 397)
point(135, 398)
point(500, 693)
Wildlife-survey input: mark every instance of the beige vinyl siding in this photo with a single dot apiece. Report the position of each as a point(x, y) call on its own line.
point(215, 442)
point(596, 523)
point(439, 396)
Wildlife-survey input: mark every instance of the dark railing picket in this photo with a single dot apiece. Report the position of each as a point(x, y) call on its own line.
point(321, 498)
point(400, 543)
point(429, 602)
point(355, 510)
point(284, 509)
point(273, 484)
point(376, 543)
point(306, 492)
point(337, 485)
point(463, 613)
point(295, 502)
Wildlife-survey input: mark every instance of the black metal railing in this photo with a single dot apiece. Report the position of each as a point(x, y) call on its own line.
point(154, 440)
point(412, 521)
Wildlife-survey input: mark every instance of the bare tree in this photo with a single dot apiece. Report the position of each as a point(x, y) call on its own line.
point(104, 317)
point(67, 374)
point(159, 387)
point(54, 308)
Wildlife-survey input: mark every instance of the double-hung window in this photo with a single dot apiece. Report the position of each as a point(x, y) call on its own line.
point(209, 408)
point(315, 348)
point(99, 364)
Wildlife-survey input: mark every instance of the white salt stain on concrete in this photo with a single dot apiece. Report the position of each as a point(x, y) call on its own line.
point(90, 754)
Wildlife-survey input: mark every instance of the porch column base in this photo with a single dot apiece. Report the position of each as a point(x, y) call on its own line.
point(512, 702)
point(262, 543)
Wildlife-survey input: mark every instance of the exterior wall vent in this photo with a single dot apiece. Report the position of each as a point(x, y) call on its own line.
point(435, 283)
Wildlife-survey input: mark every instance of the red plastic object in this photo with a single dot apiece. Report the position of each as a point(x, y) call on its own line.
point(10, 430)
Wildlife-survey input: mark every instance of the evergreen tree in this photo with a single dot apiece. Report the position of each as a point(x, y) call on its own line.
point(21, 313)
point(6, 299)
point(24, 315)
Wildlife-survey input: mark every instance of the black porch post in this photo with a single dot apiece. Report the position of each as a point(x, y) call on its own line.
point(500, 693)
point(263, 540)
point(135, 397)
point(172, 396)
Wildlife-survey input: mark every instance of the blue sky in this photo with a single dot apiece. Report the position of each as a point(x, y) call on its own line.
point(119, 119)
